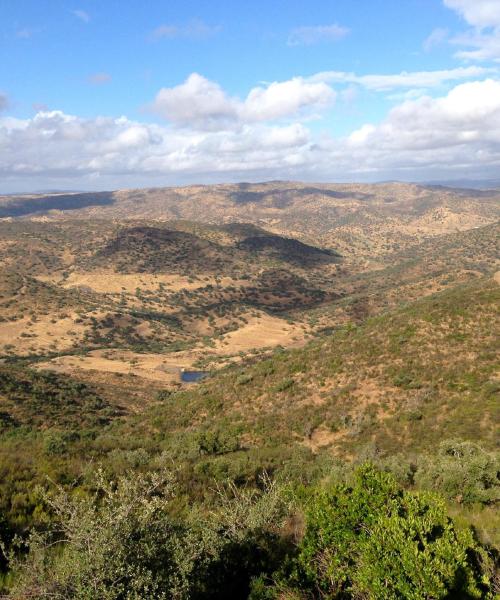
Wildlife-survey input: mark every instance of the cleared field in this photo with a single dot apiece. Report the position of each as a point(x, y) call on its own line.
point(110, 282)
point(260, 332)
point(155, 367)
point(27, 335)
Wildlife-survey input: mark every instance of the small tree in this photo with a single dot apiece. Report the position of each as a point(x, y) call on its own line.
point(122, 542)
point(375, 540)
point(119, 542)
point(463, 471)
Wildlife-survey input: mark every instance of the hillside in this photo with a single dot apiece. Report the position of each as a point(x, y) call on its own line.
point(391, 389)
point(401, 382)
point(361, 221)
point(149, 299)
point(314, 359)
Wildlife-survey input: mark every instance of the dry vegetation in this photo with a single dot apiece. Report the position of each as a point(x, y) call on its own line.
point(336, 323)
point(206, 294)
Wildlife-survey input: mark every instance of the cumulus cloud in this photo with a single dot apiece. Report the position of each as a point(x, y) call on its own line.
point(458, 131)
point(309, 35)
point(197, 102)
point(483, 41)
point(405, 79)
point(420, 138)
point(194, 30)
point(427, 137)
point(82, 15)
point(56, 144)
point(203, 104)
point(285, 98)
point(99, 78)
point(479, 13)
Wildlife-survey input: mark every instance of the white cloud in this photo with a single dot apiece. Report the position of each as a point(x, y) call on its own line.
point(479, 13)
point(309, 35)
point(197, 102)
point(457, 133)
point(203, 104)
point(435, 38)
point(280, 99)
point(195, 29)
point(56, 144)
point(483, 41)
point(82, 15)
point(481, 46)
point(412, 79)
point(99, 78)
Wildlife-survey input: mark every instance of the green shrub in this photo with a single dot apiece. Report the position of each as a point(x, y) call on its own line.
point(244, 379)
point(125, 542)
point(217, 442)
point(283, 385)
point(462, 471)
point(375, 540)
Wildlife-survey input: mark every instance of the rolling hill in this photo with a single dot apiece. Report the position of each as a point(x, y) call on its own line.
point(332, 324)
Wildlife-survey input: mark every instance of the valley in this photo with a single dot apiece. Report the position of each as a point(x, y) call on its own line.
point(335, 325)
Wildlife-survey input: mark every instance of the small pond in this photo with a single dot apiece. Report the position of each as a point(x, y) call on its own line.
point(193, 376)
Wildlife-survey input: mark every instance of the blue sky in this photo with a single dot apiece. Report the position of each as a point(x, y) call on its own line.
point(121, 94)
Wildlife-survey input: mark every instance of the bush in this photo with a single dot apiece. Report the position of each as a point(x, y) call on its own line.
point(375, 540)
point(124, 542)
point(283, 385)
point(217, 442)
point(118, 543)
point(462, 471)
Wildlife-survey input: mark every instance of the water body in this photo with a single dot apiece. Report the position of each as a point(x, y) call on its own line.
point(193, 376)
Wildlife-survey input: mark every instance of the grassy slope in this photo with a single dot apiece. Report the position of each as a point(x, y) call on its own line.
point(403, 381)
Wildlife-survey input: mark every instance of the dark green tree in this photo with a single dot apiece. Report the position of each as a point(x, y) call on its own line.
point(375, 540)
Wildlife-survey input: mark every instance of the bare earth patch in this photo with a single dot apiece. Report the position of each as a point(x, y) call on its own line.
point(41, 334)
point(322, 437)
point(260, 332)
point(110, 282)
point(157, 367)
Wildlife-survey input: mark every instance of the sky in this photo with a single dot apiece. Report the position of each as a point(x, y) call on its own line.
point(115, 94)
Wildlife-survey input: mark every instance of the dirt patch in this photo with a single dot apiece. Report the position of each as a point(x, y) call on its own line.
point(155, 367)
point(322, 437)
point(44, 333)
point(260, 332)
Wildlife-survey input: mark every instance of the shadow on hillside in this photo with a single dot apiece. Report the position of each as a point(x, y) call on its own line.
point(20, 207)
point(283, 197)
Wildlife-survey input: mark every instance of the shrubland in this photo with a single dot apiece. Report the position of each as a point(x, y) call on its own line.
point(274, 478)
point(363, 464)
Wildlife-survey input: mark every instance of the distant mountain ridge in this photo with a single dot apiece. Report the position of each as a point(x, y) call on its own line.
point(361, 221)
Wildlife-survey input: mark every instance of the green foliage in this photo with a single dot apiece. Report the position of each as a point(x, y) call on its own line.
point(44, 399)
point(217, 442)
point(373, 539)
point(283, 385)
point(462, 471)
point(112, 541)
point(124, 541)
point(244, 379)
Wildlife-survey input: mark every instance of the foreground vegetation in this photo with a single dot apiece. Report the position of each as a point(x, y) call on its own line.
point(362, 538)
